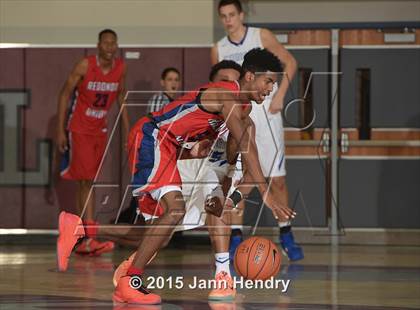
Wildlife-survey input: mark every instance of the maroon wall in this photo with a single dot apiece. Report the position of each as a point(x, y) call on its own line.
point(11, 77)
point(42, 72)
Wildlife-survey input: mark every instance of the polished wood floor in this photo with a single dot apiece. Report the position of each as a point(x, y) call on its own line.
point(344, 277)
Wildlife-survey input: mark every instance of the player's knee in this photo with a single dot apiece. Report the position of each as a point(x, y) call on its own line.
point(174, 207)
point(176, 215)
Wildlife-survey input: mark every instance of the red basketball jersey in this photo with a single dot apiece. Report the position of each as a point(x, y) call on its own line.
point(94, 96)
point(186, 120)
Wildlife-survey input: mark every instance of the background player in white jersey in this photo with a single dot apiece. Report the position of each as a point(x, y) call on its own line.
point(267, 117)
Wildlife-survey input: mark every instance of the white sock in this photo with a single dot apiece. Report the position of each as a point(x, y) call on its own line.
point(222, 262)
point(284, 224)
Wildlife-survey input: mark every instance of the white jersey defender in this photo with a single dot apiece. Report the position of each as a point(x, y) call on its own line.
point(269, 127)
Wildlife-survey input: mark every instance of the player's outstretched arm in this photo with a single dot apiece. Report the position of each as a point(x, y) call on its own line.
point(73, 79)
point(232, 112)
point(232, 148)
point(270, 42)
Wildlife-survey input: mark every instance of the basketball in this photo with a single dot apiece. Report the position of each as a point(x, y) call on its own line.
point(257, 258)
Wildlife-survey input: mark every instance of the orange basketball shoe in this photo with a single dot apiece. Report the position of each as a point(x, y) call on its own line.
point(93, 247)
point(123, 268)
point(224, 288)
point(70, 229)
point(130, 289)
point(104, 247)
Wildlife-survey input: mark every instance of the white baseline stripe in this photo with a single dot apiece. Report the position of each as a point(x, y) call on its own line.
point(21, 231)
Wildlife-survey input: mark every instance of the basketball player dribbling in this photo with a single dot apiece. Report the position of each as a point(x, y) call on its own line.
point(158, 140)
point(202, 180)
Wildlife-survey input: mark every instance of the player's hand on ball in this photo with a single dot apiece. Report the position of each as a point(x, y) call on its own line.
point(62, 141)
point(214, 206)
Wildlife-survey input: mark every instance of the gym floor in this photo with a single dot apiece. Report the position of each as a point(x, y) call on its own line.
point(330, 277)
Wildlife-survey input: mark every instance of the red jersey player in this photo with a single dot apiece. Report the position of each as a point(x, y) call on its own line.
point(97, 82)
point(156, 143)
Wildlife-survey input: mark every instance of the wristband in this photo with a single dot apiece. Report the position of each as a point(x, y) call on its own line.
point(236, 197)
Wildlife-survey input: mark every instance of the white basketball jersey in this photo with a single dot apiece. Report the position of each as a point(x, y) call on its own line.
point(229, 50)
point(217, 157)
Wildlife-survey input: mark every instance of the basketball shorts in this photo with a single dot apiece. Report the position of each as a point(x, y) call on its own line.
point(83, 156)
point(198, 183)
point(152, 160)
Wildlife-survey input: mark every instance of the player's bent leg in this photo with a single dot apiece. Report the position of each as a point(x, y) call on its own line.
point(236, 230)
point(130, 233)
point(123, 233)
point(290, 248)
point(157, 233)
point(130, 288)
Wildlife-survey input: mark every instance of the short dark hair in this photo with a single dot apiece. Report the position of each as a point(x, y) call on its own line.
point(261, 60)
point(167, 70)
point(224, 64)
point(105, 31)
point(236, 3)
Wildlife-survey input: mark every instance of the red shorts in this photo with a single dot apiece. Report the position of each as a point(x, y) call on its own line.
point(152, 158)
point(149, 207)
point(81, 161)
